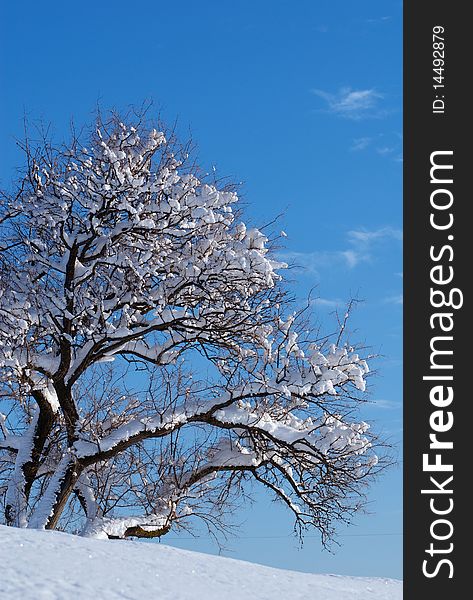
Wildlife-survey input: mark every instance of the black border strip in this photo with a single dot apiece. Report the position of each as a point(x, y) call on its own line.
point(425, 132)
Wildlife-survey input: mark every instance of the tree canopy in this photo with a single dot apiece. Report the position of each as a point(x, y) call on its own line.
point(152, 366)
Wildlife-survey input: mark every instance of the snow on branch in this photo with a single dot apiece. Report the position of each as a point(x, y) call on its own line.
point(150, 360)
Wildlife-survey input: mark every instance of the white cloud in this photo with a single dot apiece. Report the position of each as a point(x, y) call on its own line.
point(366, 236)
point(387, 145)
point(396, 299)
point(352, 104)
point(362, 143)
point(361, 244)
point(327, 302)
point(353, 258)
point(377, 20)
point(312, 262)
point(385, 150)
point(386, 404)
point(363, 241)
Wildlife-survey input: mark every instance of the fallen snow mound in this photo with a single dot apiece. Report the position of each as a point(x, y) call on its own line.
point(47, 565)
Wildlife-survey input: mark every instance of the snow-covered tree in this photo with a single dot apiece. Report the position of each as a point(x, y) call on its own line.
point(151, 369)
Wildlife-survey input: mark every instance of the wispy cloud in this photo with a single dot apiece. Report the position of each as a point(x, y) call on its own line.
point(328, 302)
point(361, 242)
point(378, 20)
point(387, 145)
point(352, 104)
point(367, 236)
point(396, 299)
point(361, 143)
point(353, 257)
point(385, 150)
point(312, 262)
point(364, 241)
point(386, 404)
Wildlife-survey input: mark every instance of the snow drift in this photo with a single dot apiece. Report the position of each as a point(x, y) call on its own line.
point(47, 565)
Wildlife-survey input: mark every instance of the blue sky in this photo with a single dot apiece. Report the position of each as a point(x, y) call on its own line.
point(302, 103)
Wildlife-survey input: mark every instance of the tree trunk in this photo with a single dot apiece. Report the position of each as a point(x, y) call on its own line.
point(66, 489)
point(56, 495)
point(43, 429)
point(16, 499)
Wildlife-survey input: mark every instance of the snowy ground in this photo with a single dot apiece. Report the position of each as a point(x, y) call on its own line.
point(40, 565)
